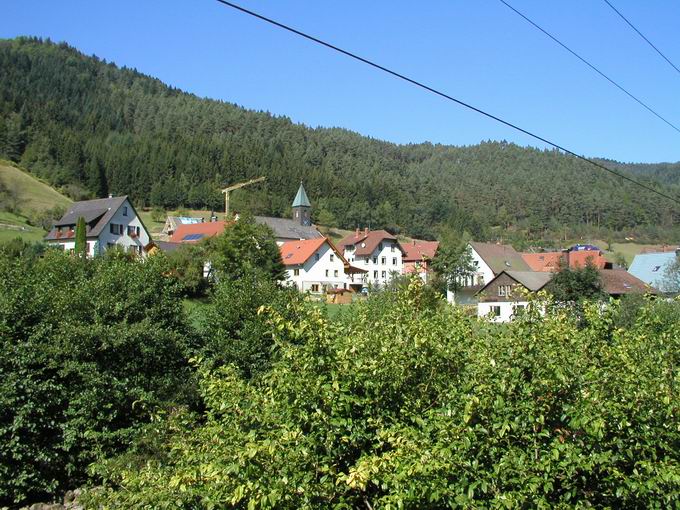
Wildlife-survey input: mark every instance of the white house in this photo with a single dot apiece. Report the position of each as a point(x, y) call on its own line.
point(110, 222)
point(490, 260)
point(504, 295)
point(377, 252)
point(316, 265)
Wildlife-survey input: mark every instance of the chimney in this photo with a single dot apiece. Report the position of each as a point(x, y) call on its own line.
point(110, 195)
point(366, 230)
point(356, 233)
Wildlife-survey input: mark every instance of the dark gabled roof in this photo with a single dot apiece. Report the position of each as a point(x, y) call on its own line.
point(167, 246)
point(97, 214)
point(500, 257)
point(288, 229)
point(619, 281)
point(367, 241)
point(531, 280)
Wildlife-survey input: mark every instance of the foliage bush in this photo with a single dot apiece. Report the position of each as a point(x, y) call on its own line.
point(234, 331)
point(88, 349)
point(401, 405)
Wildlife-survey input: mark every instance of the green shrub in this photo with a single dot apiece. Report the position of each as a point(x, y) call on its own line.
point(88, 349)
point(402, 406)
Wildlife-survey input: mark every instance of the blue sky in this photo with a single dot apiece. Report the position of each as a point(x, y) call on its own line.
point(477, 51)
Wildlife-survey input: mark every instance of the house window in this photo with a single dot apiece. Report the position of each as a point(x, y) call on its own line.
point(517, 308)
point(326, 272)
point(332, 257)
point(375, 275)
point(383, 260)
point(366, 260)
point(115, 228)
point(110, 245)
point(315, 287)
point(296, 272)
point(335, 273)
point(394, 261)
point(504, 290)
point(380, 246)
point(316, 256)
point(496, 311)
point(131, 231)
point(480, 279)
point(125, 210)
point(375, 260)
point(384, 274)
point(392, 248)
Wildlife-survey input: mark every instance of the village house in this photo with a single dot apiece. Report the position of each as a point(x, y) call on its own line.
point(489, 260)
point(377, 252)
point(418, 256)
point(297, 228)
point(110, 222)
point(506, 293)
point(316, 266)
point(651, 268)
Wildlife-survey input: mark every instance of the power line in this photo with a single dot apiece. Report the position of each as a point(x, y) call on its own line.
point(640, 34)
point(444, 95)
point(610, 80)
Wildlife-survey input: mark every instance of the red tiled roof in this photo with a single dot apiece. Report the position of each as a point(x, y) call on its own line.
point(417, 250)
point(366, 242)
point(295, 253)
point(196, 232)
point(545, 262)
point(582, 258)
point(550, 261)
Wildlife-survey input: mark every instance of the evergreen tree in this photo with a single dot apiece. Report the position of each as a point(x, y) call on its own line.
point(81, 238)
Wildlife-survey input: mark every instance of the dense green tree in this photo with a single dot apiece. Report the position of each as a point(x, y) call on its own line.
point(570, 285)
point(453, 261)
point(671, 277)
point(78, 121)
point(245, 247)
point(89, 350)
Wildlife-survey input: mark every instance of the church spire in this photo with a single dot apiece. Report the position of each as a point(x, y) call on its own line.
point(301, 199)
point(302, 207)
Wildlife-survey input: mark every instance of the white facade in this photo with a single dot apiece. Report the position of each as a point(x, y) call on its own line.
point(499, 311)
point(322, 270)
point(483, 275)
point(124, 229)
point(382, 265)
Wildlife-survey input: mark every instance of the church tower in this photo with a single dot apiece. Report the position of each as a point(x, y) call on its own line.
point(302, 208)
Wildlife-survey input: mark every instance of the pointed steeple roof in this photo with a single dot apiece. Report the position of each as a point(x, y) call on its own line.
point(301, 199)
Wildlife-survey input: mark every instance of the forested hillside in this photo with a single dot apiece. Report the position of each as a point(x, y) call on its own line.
point(80, 121)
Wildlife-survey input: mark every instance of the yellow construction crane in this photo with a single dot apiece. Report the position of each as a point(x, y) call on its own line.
point(228, 189)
